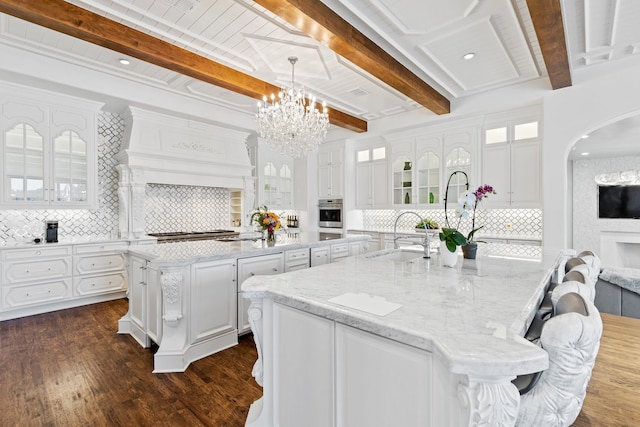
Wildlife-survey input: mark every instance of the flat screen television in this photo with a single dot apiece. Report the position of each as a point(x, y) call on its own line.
point(619, 201)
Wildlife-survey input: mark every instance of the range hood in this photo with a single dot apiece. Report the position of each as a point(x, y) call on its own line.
point(163, 149)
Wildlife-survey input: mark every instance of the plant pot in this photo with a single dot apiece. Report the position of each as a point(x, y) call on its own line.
point(469, 250)
point(448, 258)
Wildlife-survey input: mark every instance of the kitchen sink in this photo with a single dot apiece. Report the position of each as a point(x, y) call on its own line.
point(399, 255)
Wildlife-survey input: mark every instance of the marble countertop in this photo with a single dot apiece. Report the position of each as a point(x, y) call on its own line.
point(182, 253)
point(471, 316)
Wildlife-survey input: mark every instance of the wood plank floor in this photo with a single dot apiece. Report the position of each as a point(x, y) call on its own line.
point(70, 368)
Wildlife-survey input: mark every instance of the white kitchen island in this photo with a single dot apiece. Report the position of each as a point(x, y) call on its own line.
point(441, 350)
point(184, 296)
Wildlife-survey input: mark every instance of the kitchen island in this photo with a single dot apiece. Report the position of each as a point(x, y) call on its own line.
point(184, 296)
point(386, 339)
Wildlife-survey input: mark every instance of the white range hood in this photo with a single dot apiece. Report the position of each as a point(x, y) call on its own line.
point(163, 149)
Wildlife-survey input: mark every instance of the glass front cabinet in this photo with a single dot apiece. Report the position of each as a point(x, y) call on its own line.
point(48, 150)
point(416, 172)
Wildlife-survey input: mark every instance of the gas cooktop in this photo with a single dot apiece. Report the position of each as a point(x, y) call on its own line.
point(184, 236)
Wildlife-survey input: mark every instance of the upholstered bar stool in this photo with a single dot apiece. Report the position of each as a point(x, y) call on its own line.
point(554, 397)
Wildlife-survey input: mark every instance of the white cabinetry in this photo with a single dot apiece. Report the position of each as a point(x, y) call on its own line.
point(274, 173)
point(330, 172)
point(320, 256)
point(339, 251)
point(460, 154)
point(348, 375)
point(511, 163)
point(213, 299)
point(138, 299)
point(416, 171)
point(296, 259)
point(363, 398)
point(48, 146)
point(372, 187)
point(32, 277)
point(99, 268)
point(248, 267)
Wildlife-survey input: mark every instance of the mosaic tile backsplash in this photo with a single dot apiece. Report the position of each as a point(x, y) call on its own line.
point(19, 226)
point(497, 222)
point(186, 208)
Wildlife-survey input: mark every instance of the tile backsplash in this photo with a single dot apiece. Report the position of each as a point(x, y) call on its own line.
point(186, 208)
point(496, 222)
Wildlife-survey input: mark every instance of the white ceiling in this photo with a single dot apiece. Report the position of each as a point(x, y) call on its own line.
point(429, 37)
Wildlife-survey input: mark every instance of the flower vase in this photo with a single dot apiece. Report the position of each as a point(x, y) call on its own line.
point(271, 238)
point(469, 250)
point(448, 258)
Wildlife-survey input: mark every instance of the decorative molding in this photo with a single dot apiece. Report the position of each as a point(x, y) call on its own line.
point(491, 402)
point(196, 146)
point(172, 296)
point(255, 319)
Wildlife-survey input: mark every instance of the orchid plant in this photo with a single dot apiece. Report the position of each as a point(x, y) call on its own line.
point(475, 198)
point(468, 204)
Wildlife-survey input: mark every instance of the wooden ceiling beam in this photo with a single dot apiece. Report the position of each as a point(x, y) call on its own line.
point(72, 20)
point(546, 16)
point(321, 23)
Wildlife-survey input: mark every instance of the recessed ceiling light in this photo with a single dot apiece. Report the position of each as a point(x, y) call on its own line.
point(584, 154)
point(469, 55)
point(584, 136)
point(124, 61)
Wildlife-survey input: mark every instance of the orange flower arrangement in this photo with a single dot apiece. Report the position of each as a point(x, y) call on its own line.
point(266, 220)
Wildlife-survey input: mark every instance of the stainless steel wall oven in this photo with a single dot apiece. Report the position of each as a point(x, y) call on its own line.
point(330, 213)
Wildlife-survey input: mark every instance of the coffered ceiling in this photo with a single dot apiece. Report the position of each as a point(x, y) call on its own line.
point(428, 38)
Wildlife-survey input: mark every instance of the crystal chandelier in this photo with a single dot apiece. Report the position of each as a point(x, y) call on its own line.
point(292, 124)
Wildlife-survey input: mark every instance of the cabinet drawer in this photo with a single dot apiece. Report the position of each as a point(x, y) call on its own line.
point(98, 263)
point(36, 253)
point(100, 284)
point(100, 247)
point(294, 267)
point(340, 248)
point(19, 296)
point(297, 255)
point(15, 272)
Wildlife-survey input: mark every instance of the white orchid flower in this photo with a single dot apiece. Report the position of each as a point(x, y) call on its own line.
point(466, 202)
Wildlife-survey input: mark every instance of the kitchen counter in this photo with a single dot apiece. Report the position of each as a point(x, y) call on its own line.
point(467, 321)
point(181, 253)
point(184, 295)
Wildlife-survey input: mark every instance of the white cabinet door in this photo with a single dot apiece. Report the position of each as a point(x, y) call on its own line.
point(496, 172)
point(513, 170)
point(256, 266)
point(138, 299)
point(372, 187)
point(330, 173)
point(368, 368)
point(525, 174)
point(320, 256)
point(213, 299)
point(303, 365)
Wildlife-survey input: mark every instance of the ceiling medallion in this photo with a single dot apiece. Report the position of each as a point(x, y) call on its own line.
point(292, 124)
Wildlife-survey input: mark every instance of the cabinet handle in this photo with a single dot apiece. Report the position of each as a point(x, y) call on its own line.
point(251, 274)
point(142, 283)
point(38, 252)
point(275, 269)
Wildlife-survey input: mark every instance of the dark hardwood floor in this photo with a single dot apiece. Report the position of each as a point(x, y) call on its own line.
point(70, 368)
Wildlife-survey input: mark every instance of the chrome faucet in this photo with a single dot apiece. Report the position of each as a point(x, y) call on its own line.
point(426, 233)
